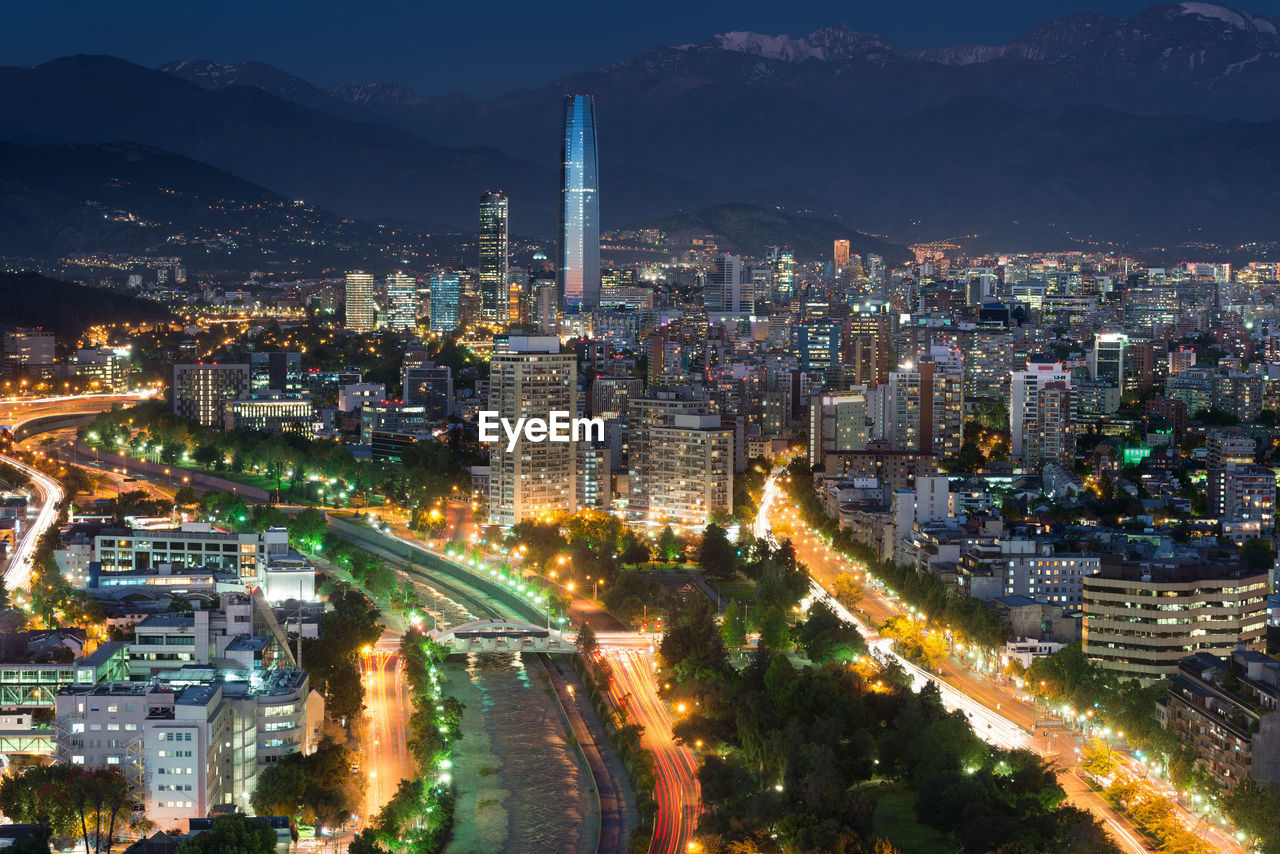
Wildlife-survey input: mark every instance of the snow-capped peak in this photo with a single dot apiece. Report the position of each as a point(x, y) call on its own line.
point(1238, 20)
point(828, 44)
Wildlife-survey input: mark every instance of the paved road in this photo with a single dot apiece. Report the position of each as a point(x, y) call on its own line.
point(1061, 746)
point(386, 760)
point(677, 792)
point(49, 493)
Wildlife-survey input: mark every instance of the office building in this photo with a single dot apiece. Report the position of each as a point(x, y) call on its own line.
point(427, 384)
point(270, 413)
point(611, 396)
point(279, 372)
point(361, 308)
point(840, 255)
point(1107, 360)
point(529, 376)
point(725, 293)
point(446, 302)
point(1141, 617)
point(103, 368)
point(201, 391)
point(494, 297)
point(194, 544)
point(837, 422)
point(782, 265)
point(402, 302)
point(29, 351)
point(578, 265)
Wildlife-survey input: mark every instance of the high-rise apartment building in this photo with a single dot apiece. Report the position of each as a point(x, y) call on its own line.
point(402, 302)
point(1226, 451)
point(494, 298)
point(362, 310)
point(681, 459)
point(578, 267)
point(201, 391)
point(29, 350)
point(926, 404)
point(529, 376)
point(1038, 423)
point(446, 302)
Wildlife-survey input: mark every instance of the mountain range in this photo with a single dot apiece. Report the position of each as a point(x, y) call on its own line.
point(1157, 130)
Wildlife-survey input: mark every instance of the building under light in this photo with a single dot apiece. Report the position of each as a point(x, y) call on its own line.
point(578, 266)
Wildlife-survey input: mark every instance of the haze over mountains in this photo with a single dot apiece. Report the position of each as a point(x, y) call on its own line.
point(1158, 130)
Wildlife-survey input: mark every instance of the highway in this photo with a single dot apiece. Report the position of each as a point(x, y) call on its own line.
point(386, 754)
point(17, 575)
point(997, 715)
point(677, 792)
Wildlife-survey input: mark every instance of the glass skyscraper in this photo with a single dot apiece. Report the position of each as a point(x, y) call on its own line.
point(446, 298)
point(493, 257)
point(578, 266)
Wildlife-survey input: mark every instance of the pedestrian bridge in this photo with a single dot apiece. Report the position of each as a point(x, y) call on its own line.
point(498, 635)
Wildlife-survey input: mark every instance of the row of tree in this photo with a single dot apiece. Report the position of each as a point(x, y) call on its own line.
point(788, 754)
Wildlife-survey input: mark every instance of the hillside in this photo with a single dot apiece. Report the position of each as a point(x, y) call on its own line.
point(750, 230)
point(67, 309)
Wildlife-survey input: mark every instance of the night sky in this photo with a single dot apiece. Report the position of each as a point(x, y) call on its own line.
point(440, 46)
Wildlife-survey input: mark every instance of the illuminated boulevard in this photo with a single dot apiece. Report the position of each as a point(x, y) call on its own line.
point(997, 713)
point(386, 709)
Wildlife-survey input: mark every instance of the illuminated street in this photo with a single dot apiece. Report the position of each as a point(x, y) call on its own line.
point(677, 791)
point(386, 754)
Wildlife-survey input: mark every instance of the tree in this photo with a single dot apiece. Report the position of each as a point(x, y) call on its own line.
point(185, 497)
point(824, 636)
point(717, 554)
point(586, 642)
point(1258, 554)
point(1253, 809)
point(668, 546)
point(734, 627)
point(233, 834)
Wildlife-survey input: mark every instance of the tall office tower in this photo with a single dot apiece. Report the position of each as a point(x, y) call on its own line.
point(278, 372)
point(402, 302)
point(681, 468)
point(1024, 397)
point(725, 291)
point(876, 274)
point(1227, 451)
point(494, 305)
point(427, 384)
point(782, 263)
point(518, 296)
point(529, 376)
point(578, 266)
point(362, 313)
point(926, 404)
point(200, 392)
point(1107, 358)
point(841, 255)
point(864, 346)
point(545, 306)
point(446, 300)
point(836, 423)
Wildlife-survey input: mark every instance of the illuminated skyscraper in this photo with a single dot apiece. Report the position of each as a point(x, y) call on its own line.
point(578, 265)
point(493, 257)
point(446, 297)
point(402, 302)
point(841, 255)
point(362, 313)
